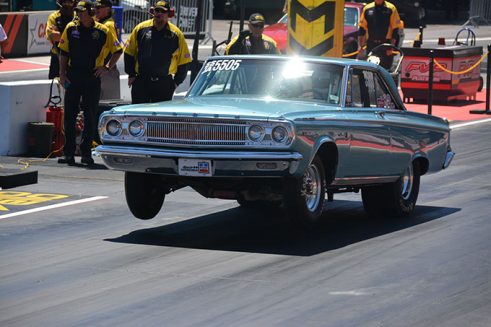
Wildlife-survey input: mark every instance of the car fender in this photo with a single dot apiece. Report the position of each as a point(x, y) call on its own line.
point(320, 142)
point(423, 159)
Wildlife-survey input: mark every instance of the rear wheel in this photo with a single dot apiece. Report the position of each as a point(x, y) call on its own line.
point(304, 197)
point(394, 199)
point(145, 194)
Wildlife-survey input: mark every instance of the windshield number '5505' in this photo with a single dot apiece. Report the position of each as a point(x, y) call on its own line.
point(222, 65)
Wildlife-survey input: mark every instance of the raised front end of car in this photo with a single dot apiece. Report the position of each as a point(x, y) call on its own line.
point(198, 147)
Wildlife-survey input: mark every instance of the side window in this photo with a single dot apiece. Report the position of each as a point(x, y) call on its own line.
point(371, 87)
point(379, 95)
point(384, 98)
point(356, 93)
point(353, 93)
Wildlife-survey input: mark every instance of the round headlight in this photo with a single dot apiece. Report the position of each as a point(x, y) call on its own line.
point(280, 134)
point(136, 128)
point(416, 4)
point(256, 132)
point(113, 127)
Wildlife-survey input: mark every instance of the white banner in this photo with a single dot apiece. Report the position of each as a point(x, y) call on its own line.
point(36, 40)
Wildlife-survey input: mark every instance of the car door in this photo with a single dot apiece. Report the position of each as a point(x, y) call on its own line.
point(369, 135)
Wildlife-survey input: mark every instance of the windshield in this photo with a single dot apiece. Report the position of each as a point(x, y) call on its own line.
point(351, 16)
point(278, 79)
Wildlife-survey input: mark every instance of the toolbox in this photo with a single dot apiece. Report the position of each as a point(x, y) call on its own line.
point(446, 86)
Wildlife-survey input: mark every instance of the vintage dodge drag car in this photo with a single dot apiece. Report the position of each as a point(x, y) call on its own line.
point(277, 130)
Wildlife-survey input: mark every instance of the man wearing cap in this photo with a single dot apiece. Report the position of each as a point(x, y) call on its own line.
point(55, 26)
point(110, 81)
point(379, 23)
point(156, 57)
point(104, 13)
point(83, 47)
point(253, 41)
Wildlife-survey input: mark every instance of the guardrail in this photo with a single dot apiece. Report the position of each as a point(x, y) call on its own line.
point(479, 13)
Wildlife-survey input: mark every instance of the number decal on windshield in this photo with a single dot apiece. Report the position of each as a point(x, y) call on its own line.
point(225, 64)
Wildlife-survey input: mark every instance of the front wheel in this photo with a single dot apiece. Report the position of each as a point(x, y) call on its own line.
point(304, 197)
point(394, 199)
point(144, 194)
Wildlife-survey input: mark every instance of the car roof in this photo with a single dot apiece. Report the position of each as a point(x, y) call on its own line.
point(331, 60)
point(354, 4)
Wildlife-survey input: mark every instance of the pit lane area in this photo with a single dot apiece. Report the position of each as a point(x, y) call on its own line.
point(207, 262)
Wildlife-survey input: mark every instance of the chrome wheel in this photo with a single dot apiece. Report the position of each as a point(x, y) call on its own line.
point(304, 197)
point(396, 199)
point(407, 182)
point(312, 187)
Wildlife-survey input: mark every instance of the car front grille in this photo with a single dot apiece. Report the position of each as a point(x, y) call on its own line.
point(191, 131)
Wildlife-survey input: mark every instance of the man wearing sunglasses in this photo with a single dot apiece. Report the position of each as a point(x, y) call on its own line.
point(253, 41)
point(156, 57)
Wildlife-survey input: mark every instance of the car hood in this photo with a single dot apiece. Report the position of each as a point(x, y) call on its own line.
point(232, 108)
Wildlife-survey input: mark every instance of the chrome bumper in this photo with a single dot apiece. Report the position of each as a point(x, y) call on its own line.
point(448, 159)
point(225, 163)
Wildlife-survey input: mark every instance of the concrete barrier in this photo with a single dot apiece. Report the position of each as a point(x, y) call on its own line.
point(23, 102)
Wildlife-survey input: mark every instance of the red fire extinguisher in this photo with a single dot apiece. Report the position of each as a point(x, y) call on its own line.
point(54, 115)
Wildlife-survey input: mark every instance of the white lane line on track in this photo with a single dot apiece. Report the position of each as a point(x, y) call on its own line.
point(24, 71)
point(475, 122)
point(53, 206)
point(32, 62)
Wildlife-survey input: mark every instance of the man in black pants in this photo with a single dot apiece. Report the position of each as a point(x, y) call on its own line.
point(156, 57)
point(82, 52)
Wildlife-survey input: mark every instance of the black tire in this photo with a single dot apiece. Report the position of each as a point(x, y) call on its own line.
point(144, 194)
point(304, 197)
point(396, 199)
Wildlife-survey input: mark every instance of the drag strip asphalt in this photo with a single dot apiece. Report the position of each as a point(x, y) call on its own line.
point(207, 262)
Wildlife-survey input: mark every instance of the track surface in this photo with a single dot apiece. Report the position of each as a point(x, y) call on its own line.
point(205, 262)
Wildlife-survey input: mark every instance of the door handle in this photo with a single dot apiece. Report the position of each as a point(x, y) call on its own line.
point(380, 114)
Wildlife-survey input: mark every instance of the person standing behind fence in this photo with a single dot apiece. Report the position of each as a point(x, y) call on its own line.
point(110, 81)
point(379, 23)
point(55, 26)
point(253, 41)
point(82, 53)
point(3, 39)
point(155, 51)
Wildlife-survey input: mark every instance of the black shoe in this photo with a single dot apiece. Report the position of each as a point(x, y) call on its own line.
point(70, 160)
point(87, 160)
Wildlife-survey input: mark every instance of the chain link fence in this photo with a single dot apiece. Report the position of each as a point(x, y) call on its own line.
point(479, 13)
point(136, 11)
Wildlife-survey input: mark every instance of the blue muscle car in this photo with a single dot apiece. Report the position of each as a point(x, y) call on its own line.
point(280, 130)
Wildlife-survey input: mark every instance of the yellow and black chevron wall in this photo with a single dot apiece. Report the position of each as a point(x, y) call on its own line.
point(315, 27)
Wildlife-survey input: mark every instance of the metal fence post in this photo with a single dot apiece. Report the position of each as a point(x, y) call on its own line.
point(209, 27)
point(195, 63)
point(488, 86)
point(430, 82)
